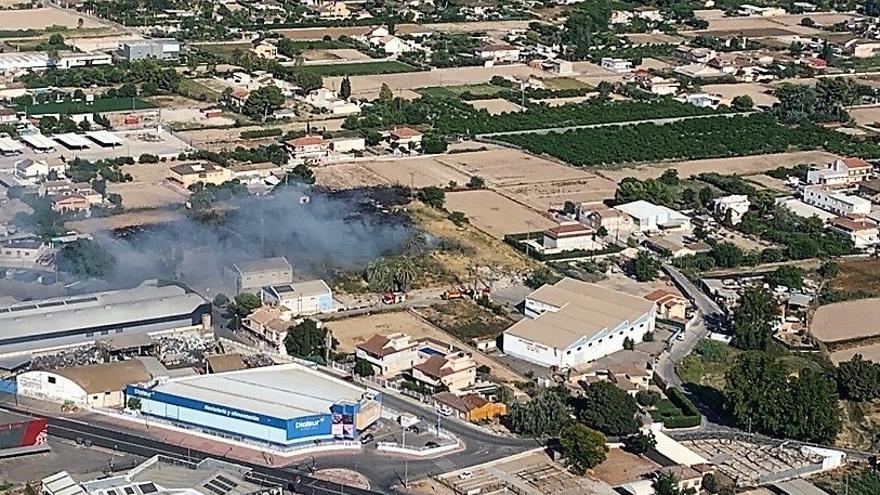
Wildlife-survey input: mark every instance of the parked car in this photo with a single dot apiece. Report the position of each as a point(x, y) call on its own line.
point(365, 439)
point(432, 445)
point(465, 475)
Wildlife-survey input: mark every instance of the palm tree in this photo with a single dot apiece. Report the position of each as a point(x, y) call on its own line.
point(379, 275)
point(405, 272)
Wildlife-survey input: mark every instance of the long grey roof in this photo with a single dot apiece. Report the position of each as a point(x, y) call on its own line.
point(281, 391)
point(61, 314)
point(263, 265)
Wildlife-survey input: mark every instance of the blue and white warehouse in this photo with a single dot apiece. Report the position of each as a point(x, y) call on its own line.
point(281, 405)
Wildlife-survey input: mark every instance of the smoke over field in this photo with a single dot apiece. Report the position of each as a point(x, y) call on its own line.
point(318, 235)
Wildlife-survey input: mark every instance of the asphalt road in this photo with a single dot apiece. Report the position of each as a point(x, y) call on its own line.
point(385, 471)
point(710, 317)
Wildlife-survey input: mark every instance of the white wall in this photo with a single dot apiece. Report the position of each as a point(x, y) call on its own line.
point(36, 384)
point(584, 350)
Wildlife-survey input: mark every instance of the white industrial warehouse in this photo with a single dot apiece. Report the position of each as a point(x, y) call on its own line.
point(56, 323)
point(573, 322)
point(281, 405)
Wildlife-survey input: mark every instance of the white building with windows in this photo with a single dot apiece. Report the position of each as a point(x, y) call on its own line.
point(841, 172)
point(648, 217)
point(573, 322)
point(735, 205)
point(836, 202)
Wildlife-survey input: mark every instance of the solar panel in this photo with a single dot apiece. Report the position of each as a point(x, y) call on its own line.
point(148, 488)
point(226, 480)
point(23, 308)
point(213, 488)
point(51, 304)
point(129, 490)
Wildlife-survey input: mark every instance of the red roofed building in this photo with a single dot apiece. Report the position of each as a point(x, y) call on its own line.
point(308, 147)
point(861, 231)
point(389, 355)
point(841, 172)
point(406, 136)
point(816, 63)
point(568, 236)
point(670, 306)
point(455, 371)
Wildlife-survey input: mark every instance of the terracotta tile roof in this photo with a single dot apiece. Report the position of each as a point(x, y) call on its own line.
point(853, 224)
point(404, 132)
point(568, 230)
point(434, 367)
point(856, 163)
point(465, 403)
point(375, 345)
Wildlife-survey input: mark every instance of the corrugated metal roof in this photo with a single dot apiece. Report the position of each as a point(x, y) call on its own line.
point(284, 391)
point(49, 316)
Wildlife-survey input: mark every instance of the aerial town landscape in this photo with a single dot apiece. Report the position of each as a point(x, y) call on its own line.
point(445, 247)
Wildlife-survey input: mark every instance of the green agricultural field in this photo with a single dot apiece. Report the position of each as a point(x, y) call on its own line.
point(360, 69)
point(77, 107)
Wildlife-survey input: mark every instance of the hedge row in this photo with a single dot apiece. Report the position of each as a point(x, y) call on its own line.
point(691, 417)
point(261, 133)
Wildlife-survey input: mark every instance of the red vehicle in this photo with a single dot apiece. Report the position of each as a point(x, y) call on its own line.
point(393, 297)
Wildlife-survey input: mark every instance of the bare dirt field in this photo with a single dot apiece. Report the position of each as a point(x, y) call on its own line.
point(621, 467)
point(768, 182)
point(146, 217)
point(353, 331)
point(558, 102)
point(419, 172)
point(42, 18)
point(744, 165)
point(148, 189)
point(865, 115)
point(858, 275)
point(627, 285)
point(496, 106)
point(450, 27)
point(869, 353)
point(762, 26)
point(653, 63)
point(591, 69)
point(554, 194)
point(847, 320)
point(495, 214)
point(369, 86)
point(758, 92)
point(334, 55)
point(193, 116)
point(509, 167)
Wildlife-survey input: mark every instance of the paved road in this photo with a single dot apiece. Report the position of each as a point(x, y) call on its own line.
point(385, 472)
point(710, 316)
point(122, 441)
point(609, 124)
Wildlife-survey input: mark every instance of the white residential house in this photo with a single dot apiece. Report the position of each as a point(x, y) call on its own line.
point(499, 52)
point(308, 147)
point(390, 354)
point(327, 99)
point(656, 84)
point(703, 100)
point(621, 17)
point(454, 371)
point(35, 169)
point(836, 202)
point(406, 137)
point(347, 144)
point(736, 204)
point(617, 223)
point(648, 217)
point(860, 230)
point(390, 44)
point(616, 64)
point(649, 13)
point(569, 236)
point(841, 172)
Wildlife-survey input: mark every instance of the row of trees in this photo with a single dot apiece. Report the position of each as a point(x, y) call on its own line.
point(761, 396)
point(145, 72)
point(687, 140)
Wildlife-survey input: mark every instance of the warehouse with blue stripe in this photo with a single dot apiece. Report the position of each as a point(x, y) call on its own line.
point(282, 405)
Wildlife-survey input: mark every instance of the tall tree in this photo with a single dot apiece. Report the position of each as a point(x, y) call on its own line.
point(583, 447)
point(546, 414)
point(345, 88)
point(811, 410)
point(608, 409)
point(858, 380)
point(753, 319)
point(262, 102)
point(306, 340)
point(385, 93)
